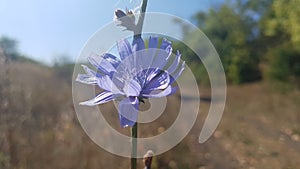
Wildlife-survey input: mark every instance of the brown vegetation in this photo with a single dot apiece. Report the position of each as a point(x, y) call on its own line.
point(260, 128)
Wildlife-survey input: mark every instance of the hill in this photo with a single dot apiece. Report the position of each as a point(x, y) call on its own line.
point(260, 128)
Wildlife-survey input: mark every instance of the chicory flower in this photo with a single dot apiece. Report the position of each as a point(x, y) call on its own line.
point(137, 74)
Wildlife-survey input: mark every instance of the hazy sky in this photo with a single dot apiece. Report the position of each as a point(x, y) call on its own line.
point(45, 29)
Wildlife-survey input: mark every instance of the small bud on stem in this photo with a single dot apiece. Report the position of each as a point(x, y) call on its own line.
point(148, 159)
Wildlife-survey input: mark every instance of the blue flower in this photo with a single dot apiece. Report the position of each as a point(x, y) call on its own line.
point(138, 74)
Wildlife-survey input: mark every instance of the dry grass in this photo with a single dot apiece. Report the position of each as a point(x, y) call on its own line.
point(260, 129)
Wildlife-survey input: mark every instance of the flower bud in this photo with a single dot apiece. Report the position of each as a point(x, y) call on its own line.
point(119, 13)
point(127, 19)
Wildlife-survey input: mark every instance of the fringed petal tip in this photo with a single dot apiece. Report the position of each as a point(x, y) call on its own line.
point(86, 79)
point(101, 98)
point(161, 93)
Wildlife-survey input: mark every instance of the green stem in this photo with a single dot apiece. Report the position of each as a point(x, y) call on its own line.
point(134, 129)
point(134, 133)
point(139, 26)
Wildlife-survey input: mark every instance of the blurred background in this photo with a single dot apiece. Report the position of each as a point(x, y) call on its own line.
point(258, 42)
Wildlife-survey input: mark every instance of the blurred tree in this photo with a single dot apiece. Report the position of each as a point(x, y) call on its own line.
point(193, 61)
point(9, 47)
point(281, 30)
point(231, 28)
point(284, 18)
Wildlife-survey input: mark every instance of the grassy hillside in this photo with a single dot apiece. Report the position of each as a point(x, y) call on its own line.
point(260, 128)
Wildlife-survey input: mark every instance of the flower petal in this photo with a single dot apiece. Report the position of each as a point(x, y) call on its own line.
point(147, 58)
point(158, 93)
point(153, 42)
point(147, 75)
point(161, 59)
point(128, 112)
point(152, 48)
point(175, 63)
point(165, 44)
point(124, 48)
point(138, 44)
point(177, 73)
point(107, 84)
point(88, 70)
point(159, 82)
point(87, 79)
point(113, 60)
point(138, 49)
point(101, 64)
point(99, 99)
point(132, 88)
point(162, 56)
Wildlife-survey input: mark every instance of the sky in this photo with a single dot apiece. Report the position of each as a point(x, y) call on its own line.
point(48, 29)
